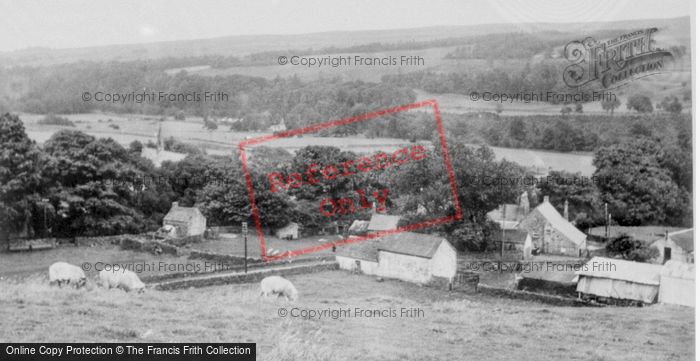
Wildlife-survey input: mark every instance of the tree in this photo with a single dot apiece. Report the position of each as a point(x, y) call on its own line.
point(20, 175)
point(585, 207)
point(640, 104)
point(671, 105)
point(609, 105)
point(632, 179)
point(630, 249)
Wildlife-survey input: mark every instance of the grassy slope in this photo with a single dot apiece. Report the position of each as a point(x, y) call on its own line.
point(455, 326)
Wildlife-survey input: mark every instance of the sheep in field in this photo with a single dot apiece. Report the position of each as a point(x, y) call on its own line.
point(124, 279)
point(278, 286)
point(65, 273)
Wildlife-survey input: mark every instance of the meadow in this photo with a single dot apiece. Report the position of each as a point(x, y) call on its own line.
point(452, 325)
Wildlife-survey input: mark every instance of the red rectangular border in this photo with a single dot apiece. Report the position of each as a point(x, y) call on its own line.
point(335, 123)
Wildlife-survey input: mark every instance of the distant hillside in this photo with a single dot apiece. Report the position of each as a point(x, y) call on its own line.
point(674, 31)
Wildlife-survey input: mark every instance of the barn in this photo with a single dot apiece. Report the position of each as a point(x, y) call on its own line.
point(677, 284)
point(619, 279)
point(553, 234)
point(186, 221)
point(408, 256)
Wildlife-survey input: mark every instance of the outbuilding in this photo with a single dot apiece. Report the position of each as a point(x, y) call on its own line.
point(553, 234)
point(412, 257)
point(187, 221)
point(290, 231)
point(610, 278)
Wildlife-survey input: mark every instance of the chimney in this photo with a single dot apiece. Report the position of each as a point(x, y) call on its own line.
point(175, 204)
point(546, 199)
point(566, 210)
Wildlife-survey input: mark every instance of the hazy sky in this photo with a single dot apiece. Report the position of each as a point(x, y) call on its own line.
point(79, 23)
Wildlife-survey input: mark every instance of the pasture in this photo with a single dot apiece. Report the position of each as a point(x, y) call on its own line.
point(223, 142)
point(453, 326)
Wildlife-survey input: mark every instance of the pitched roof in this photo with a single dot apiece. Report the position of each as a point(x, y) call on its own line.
point(364, 250)
point(412, 244)
point(684, 239)
point(514, 213)
point(561, 224)
point(617, 269)
point(406, 243)
point(182, 214)
point(383, 222)
point(358, 226)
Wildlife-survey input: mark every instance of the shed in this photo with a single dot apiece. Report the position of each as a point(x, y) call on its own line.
point(358, 227)
point(676, 246)
point(677, 284)
point(412, 257)
point(553, 234)
point(619, 279)
point(188, 221)
point(383, 222)
point(290, 231)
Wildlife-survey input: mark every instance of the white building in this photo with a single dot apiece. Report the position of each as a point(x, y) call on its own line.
point(185, 221)
point(676, 246)
point(411, 257)
point(290, 231)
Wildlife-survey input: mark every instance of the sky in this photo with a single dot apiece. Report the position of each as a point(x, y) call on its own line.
point(82, 23)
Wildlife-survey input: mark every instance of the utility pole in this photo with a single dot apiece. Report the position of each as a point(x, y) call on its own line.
point(503, 237)
point(606, 222)
point(244, 230)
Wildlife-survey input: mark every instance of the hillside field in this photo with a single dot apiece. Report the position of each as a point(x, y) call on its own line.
point(453, 326)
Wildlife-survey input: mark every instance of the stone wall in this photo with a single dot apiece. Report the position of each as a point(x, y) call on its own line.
point(251, 277)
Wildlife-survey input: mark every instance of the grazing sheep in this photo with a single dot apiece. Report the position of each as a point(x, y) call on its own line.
point(124, 279)
point(66, 273)
point(279, 286)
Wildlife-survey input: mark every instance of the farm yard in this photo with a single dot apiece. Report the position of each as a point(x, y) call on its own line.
point(454, 325)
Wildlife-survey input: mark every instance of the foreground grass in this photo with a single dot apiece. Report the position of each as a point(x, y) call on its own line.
point(455, 326)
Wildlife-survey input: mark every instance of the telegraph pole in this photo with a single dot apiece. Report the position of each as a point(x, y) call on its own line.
point(244, 230)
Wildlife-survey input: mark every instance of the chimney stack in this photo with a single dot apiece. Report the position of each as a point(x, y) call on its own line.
point(546, 199)
point(566, 210)
point(176, 204)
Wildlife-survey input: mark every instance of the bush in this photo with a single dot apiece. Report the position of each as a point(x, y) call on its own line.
point(52, 119)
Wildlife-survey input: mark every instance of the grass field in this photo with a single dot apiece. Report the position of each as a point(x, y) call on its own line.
point(453, 326)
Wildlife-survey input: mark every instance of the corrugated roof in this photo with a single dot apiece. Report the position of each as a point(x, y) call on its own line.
point(412, 244)
point(617, 269)
point(182, 214)
point(561, 224)
point(383, 222)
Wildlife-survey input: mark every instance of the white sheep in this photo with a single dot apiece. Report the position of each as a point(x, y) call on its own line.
point(65, 273)
point(124, 279)
point(278, 286)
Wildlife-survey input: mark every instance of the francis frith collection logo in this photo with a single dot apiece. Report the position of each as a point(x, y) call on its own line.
point(614, 62)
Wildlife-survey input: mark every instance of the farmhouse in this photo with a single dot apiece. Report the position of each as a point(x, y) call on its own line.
point(676, 246)
point(551, 233)
point(290, 231)
point(187, 221)
point(408, 256)
point(383, 222)
point(619, 279)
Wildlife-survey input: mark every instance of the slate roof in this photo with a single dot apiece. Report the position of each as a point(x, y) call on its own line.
point(182, 214)
point(406, 243)
point(412, 244)
point(383, 222)
point(646, 234)
point(561, 224)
